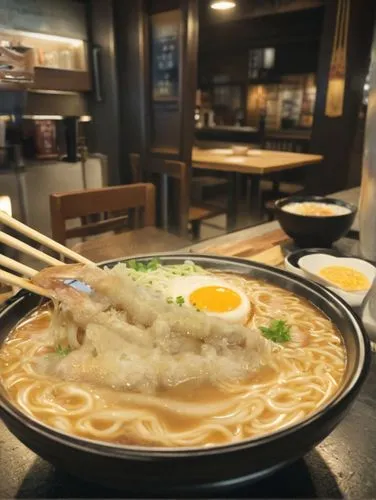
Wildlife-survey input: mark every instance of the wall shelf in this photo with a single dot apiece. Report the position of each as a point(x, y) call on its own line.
point(60, 63)
point(60, 79)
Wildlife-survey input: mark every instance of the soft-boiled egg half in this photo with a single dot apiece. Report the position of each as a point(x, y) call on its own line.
point(210, 295)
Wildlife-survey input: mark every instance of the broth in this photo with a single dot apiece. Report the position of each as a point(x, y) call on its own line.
point(298, 379)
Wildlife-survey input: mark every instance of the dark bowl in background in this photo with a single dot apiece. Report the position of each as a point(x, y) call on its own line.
point(309, 231)
point(172, 471)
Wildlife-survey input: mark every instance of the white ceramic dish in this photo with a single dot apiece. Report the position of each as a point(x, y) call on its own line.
point(310, 266)
point(239, 150)
point(220, 151)
point(294, 269)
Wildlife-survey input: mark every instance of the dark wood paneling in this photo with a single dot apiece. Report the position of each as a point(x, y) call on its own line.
point(157, 6)
point(297, 58)
point(154, 128)
point(334, 137)
point(293, 58)
point(189, 80)
point(55, 104)
point(233, 64)
point(132, 63)
point(261, 32)
point(104, 129)
point(165, 126)
point(172, 124)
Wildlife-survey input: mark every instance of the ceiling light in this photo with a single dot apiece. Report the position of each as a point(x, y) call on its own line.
point(223, 5)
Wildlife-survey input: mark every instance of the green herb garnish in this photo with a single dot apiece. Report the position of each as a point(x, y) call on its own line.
point(153, 264)
point(62, 351)
point(133, 264)
point(278, 331)
point(170, 300)
point(180, 300)
point(140, 267)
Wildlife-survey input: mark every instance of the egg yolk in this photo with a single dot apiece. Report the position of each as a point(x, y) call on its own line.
point(346, 277)
point(215, 299)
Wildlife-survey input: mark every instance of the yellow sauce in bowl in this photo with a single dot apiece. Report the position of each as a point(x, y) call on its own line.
point(347, 278)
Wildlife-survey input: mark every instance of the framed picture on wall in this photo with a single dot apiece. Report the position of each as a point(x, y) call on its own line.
point(165, 49)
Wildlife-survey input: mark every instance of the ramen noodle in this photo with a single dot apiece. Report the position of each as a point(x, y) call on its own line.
point(170, 356)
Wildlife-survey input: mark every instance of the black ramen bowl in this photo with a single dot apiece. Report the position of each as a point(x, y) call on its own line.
point(310, 231)
point(191, 470)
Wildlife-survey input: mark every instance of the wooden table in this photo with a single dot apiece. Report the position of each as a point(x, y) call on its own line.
point(340, 466)
point(256, 163)
point(145, 240)
point(249, 242)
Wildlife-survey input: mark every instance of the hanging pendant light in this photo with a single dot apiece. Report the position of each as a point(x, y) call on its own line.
point(223, 4)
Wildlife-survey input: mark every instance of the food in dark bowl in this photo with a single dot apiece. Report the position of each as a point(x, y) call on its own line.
point(174, 376)
point(315, 221)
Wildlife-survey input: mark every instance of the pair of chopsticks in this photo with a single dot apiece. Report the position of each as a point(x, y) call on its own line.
point(13, 265)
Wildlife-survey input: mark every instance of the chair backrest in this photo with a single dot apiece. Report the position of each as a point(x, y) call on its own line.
point(135, 161)
point(101, 210)
point(173, 169)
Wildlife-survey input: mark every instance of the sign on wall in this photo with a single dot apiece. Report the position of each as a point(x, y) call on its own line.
point(165, 55)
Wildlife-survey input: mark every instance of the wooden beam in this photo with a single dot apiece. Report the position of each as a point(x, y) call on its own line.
point(104, 134)
point(130, 20)
point(334, 137)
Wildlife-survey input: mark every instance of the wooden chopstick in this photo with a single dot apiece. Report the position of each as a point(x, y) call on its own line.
point(42, 239)
point(336, 33)
point(12, 280)
point(17, 266)
point(23, 247)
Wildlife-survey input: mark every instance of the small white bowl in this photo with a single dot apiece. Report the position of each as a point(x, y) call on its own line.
point(294, 269)
point(310, 265)
point(240, 150)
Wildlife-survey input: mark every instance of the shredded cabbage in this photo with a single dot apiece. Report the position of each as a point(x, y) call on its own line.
point(159, 277)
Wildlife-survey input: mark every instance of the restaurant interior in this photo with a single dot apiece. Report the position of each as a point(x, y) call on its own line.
point(235, 136)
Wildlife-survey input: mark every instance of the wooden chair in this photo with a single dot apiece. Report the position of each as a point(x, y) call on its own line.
point(135, 161)
point(274, 190)
point(101, 210)
point(187, 214)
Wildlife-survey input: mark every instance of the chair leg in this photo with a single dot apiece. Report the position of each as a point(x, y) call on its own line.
point(196, 228)
point(270, 215)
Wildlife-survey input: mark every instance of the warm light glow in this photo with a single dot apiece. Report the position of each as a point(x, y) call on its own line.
point(42, 117)
point(269, 57)
point(75, 42)
point(6, 205)
point(83, 118)
point(223, 5)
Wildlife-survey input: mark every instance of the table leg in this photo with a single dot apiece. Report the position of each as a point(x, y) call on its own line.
point(232, 203)
point(164, 201)
point(256, 201)
point(276, 182)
